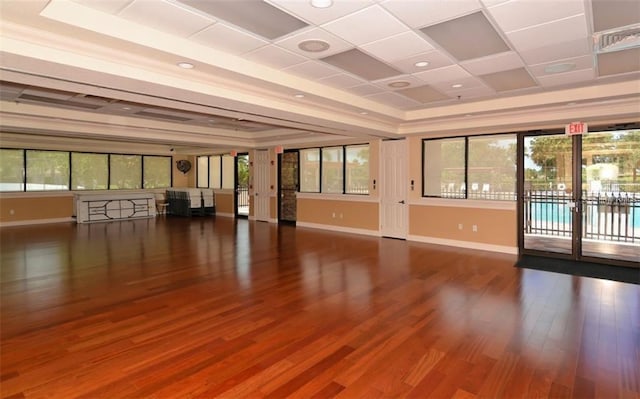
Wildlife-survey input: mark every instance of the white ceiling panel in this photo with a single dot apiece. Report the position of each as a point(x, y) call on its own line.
point(493, 63)
point(166, 17)
point(579, 63)
point(419, 13)
point(108, 6)
point(336, 44)
point(561, 79)
point(365, 89)
point(444, 74)
point(491, 3)
point(557, 51)
point(275, 57)
point(519, 14)
point(398, 47)
point(374, 23)
point(226, 38)
point(412, 80)
point(394, 100)
point(469, 93)
point(341, 80)
point(435, 59)
point(312, 70)
point(304, 9)
point(467, 83)
point(547, 34)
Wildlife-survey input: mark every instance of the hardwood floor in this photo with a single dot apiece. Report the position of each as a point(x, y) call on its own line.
point(201, 308)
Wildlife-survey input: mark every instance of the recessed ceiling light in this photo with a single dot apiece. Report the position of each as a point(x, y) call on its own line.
point(559, 68)
point(314, 46)
point(126, 108)
point(457, 85)
point(364, 113)
point(421, 64)
point(321, 3)
point(398, 84)
point(185, 65)
point(299, 96)
point(468, 115)
point(572, 103)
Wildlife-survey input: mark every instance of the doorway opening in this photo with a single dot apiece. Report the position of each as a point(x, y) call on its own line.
point(242, 185)
point(288, 178)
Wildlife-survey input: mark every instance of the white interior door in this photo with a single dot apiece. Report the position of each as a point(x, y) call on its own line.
point(393, 201)
point(262, 191)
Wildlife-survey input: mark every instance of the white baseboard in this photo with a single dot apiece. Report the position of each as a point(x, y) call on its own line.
point(37, 221)
point(341, 229)
point(465, 244)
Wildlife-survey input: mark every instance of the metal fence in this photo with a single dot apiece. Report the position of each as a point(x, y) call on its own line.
point(606, 216)
point(243, 196)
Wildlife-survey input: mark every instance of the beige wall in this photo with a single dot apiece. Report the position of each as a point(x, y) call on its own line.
point(224, 203)
point(35, 208)
point(350, 214)
point(494, 226)
point(180, 179)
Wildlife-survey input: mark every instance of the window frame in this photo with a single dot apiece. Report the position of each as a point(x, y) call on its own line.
point(321, 169)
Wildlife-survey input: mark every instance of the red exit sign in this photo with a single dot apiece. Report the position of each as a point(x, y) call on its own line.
point(576, 128)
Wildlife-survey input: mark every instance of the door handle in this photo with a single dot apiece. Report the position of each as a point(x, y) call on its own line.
point(401, 202)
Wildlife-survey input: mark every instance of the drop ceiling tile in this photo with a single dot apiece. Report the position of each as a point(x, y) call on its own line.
point(491, 3)
point(608, 14)
point(618, 62)
point(561, 79)
point(423, 94)
point(470, 93)
point(373, 23)
point(421, 13)
point(275, 57)
point(227, 38)
point(467, 83)
point(337, 45)
point(412, 80)
point(557, 51)
point(513, 79)
point(312, 70)
point(256, 16)
point(365, 89)
point(361, 64)
point(552, 33)
point(435, 58)
point(318, 16)
point(445, 74)
point(108, 6)
point(583, 62)
point(520, 14)
point(394, 100)
point(341, 80)
point(467, 37)
point(166, 17)
point(493, 63)
point(398, 47)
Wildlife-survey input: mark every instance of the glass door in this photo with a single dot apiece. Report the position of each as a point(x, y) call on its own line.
point(242, 185)
point(580, 196)
point(548, 202)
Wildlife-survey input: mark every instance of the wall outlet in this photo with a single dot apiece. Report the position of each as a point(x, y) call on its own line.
point(474, 228)
point(333, 215)
point(12, 212)
point(340, 215)
point(460, 226)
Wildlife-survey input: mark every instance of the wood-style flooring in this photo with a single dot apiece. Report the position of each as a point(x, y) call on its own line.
point(205, 307)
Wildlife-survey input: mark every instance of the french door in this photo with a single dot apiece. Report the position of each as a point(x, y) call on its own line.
point(579, 196)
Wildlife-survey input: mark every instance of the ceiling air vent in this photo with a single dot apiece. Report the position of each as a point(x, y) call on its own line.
point(618, 39)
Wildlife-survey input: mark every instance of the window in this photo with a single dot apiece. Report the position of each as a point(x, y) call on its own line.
point(228, 172)
point(11, 170)
point(310, 170)
point(157, 171)
point(215, 171)
point(476, 167)
point(357, 170)
point(332, 170)
point(89, 171)
point(47, 170)
point(444, 168)
point(492, 167)
point(202, 171)
point(126, 171)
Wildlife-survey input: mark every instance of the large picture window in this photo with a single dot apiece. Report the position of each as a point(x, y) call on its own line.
point(310, 170)
point(475, 167)
point(89, 171)
point(126, 171)
point(215, 171)
point(11, 170)
point(357, 169)
point(332, 170)
point(202, 171)
point(47, 170)
point(228, 172)
point(157, 172)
